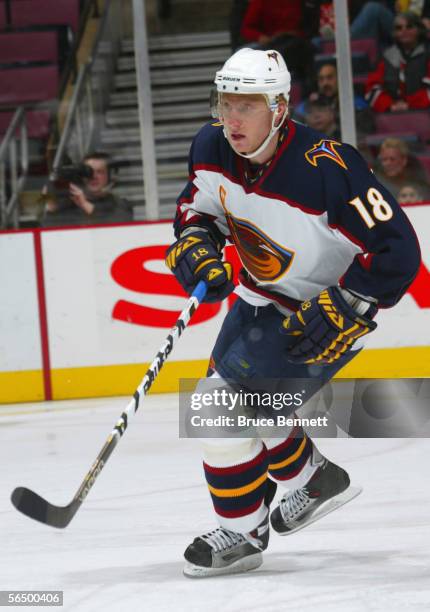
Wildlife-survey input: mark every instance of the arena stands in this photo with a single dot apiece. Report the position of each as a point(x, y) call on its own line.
point(37, 56)
point(36, 40)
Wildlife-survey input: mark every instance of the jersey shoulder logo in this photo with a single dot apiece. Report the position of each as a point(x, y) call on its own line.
point(325, 148)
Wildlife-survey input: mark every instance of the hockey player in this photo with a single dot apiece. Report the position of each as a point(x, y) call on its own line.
point(323, 247)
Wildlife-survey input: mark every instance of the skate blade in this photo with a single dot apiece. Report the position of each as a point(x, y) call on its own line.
point(329, 506)
point(242, 565)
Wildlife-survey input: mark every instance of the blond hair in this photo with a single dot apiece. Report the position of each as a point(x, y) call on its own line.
point(395, 143)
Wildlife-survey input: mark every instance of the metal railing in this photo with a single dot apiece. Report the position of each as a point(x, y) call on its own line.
point(85, 114)
point(89, 8)
point(13, 168)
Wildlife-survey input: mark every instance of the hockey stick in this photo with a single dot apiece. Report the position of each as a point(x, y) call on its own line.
point(31, 504)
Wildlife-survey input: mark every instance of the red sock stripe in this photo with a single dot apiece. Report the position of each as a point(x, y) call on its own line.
point(237, 469)
point(289, 451)
point(239, 512)
point(296, 433)
point(289, 475)
point(294, 468)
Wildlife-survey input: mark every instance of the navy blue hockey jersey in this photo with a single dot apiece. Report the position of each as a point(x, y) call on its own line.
point(315, 216)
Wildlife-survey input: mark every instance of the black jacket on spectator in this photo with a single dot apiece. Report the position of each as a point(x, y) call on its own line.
point(415, 68)
point(400, 76)
point(108, 209)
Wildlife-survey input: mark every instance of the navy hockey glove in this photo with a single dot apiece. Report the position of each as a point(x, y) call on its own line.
point(325, 327)
point(193, 258)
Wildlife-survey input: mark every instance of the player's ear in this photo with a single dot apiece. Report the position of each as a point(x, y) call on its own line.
point(282, 107)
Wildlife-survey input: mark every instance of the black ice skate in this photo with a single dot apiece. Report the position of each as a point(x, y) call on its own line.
point(227, 552)
point(327, 490)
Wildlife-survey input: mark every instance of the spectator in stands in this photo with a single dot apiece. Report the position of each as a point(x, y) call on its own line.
point(396, 167)
point(410, 194)
point(368, 20)
point(401, 80)
point(90, 203)
point(420, 7)
point(287, 26)
point(372, 20)
point(327, 87)
point(320, 115)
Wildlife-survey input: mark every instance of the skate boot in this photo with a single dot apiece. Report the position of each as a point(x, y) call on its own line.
point(326, 490)
point(227, 552)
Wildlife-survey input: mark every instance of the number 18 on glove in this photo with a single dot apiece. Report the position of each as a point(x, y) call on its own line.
point(325, 327)
point(193, 258)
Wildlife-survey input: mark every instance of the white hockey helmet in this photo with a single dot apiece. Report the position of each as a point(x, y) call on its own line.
point(250, 71)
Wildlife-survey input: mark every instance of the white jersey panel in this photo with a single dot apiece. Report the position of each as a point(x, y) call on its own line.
point(280, 245)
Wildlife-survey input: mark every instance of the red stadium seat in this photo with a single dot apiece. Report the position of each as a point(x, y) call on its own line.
point(424, 159)
point(28, 46)
point(22, 85)
point(417, 122)
point(374, 141)
point(38, 122)
point(45, 12)
point(361, 45)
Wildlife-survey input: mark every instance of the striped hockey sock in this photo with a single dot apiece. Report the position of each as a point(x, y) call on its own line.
point(289, 459)
point(238, 491)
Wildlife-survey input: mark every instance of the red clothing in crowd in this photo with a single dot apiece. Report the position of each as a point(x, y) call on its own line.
point(272, 17)
point(398, 77)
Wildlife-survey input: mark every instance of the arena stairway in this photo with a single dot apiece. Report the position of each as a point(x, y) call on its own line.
point(182, 70)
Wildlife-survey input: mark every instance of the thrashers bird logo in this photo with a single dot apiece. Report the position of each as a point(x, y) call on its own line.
point(264, 259)
point(325, 148)
point(274, 56)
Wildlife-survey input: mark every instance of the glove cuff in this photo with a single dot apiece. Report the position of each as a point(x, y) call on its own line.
point(359, 304)
point(349, 311)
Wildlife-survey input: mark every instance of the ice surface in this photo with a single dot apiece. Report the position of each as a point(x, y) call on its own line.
point(123, 550)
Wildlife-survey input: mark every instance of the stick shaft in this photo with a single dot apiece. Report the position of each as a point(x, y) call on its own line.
point(143, 388)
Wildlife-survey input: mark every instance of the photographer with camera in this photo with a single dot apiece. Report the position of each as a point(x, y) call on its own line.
point(81, 195)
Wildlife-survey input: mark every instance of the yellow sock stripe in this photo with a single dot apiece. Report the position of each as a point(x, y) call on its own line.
point(240, 490)
point(291, 459)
